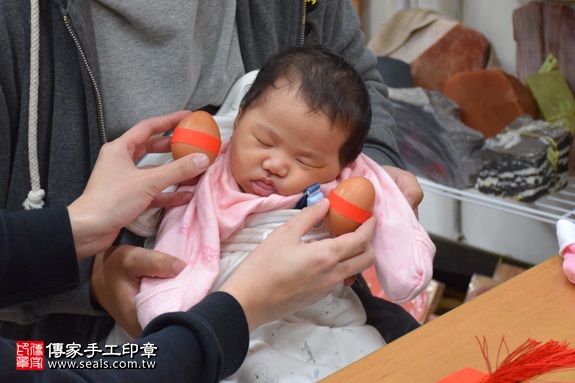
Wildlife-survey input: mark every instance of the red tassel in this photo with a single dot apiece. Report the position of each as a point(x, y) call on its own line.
point(528, 361)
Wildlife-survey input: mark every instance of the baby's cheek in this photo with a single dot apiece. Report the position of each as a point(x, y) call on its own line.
point(298, 182)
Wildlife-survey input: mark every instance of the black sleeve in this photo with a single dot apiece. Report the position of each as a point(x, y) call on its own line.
point(37, 254)
point(204, 345)
point(391, 320)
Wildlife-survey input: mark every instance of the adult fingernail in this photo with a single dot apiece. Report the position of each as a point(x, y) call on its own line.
point(322, 202)
point(201, 160)
point(177, 266)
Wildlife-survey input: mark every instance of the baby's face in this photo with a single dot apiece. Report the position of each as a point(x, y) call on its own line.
point(280, 147)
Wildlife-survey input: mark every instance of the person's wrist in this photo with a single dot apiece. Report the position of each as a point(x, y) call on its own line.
point(90, 236)
point(254, 314)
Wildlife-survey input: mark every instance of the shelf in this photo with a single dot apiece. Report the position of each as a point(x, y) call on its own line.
point(549, 208)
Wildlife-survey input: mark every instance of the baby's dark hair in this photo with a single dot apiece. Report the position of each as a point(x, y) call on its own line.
point(328, 84)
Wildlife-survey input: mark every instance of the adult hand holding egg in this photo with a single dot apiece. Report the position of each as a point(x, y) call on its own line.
point(351, 204)
point(118, 191)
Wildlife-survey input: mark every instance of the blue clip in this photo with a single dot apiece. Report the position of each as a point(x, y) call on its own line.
point(313, 194)
point(310, 196)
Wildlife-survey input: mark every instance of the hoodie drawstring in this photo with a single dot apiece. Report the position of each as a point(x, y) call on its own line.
point(36, 194)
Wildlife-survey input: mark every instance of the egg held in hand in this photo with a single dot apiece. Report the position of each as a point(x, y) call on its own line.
point(351, 204)
point(196, 133)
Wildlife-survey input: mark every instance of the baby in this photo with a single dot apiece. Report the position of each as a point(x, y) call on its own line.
point(303, 121)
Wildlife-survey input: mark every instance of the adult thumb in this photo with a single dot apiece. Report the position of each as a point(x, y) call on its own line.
point(308, 217)
point(159, 265)
point(180, 170)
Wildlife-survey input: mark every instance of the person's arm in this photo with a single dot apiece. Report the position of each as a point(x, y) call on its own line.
point(338, 28)
point(118, 191)
point(34, 264)
point(75, 301)
point(205, 344)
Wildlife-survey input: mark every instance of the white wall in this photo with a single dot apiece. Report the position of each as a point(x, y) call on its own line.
point(491, 17)
point(494, 18)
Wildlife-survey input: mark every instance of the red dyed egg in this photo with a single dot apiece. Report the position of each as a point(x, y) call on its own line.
point(351, 204)
point(196, 133)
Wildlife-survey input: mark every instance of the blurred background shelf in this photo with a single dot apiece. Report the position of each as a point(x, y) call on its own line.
point(521, 231)
point(549, 209)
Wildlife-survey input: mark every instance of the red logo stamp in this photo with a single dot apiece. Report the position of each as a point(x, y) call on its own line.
point(29, 355)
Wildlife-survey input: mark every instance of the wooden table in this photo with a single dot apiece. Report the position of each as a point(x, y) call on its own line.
point(537, 304)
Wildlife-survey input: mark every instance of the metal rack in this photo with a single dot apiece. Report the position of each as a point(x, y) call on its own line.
point(549, 208)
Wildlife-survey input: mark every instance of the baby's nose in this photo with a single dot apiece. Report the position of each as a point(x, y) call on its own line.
point(276, 166)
